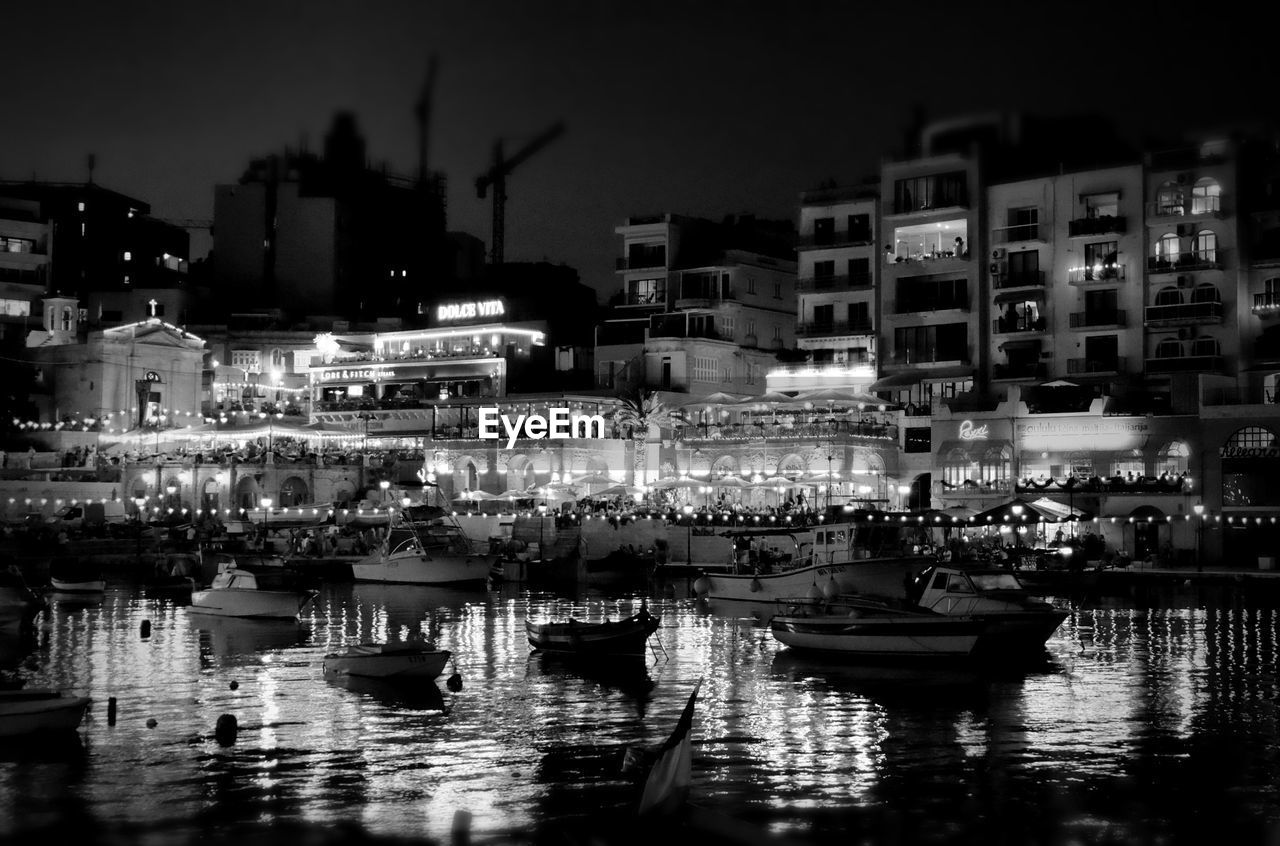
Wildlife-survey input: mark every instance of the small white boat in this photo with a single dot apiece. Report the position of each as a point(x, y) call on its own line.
point(39, 710)
point(86, 586)
point(235, 593)
point(873, 630)
point(443, 556)
point(387, 661)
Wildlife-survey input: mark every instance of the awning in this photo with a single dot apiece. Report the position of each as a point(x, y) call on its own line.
point(907, 378)
point(1147, 512)
point(1020, 342)
point(973, 448)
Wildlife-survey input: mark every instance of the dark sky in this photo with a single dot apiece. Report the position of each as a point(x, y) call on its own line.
point(698, 107)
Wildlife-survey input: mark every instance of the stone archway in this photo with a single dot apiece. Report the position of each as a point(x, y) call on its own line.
point(248, 493)
point(211, 500)
point(293, 492)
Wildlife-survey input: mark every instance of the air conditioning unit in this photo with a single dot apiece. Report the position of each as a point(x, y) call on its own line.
point(997, 268)
point(997, 253)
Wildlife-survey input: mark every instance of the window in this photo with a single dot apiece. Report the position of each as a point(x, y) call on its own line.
point(1024, 266)
point(702, 286)
point(249, 361)
point(916, 439)
point(824, 231)
point(777, 332)
point(997, 465)
point(66, 320)
point(1168, 296)
point(1205, 246)
point(15, 308)
point(1123, 465)
point(1101, 352)
point(645, 292)
point(958, 583)
point(1169, 348)
point(727, 328)
point(1102, 205)
point(777, 288)
point(944, 342)
point(859, 315)
point(1206, 346)
point(1080, 465)
point(751, 284)
point(1206, 197)
point(929, 241)
point(824, 315)
point(1251, 437)
point(705, 369)
point(1168, 249)
point(751, 374)
point(646, 255)
point(1101, 260)
point(927, 293)
point(929, 192)
point(1206, 293)
point(859, 270)
point(1169, 199)
point(1020, 316)
point(955, 469)
point(751, 326)
point(726, 376)
point(79, 206)
point(1023, 223)
point(128, 256)
point(824, 269)
point(859, 228)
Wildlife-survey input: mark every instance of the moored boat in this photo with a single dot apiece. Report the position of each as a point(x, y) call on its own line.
point(610, 638)
point(88, 586)
point(39, 710)
point(873, 630)
point(1015, 620)
point(442, 555)
point(235, 593)
point(386, 661)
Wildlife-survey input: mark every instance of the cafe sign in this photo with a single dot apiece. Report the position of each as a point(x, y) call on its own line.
point(355, 374)
point(1249, 452)
point(970, 432)
point(457, 312)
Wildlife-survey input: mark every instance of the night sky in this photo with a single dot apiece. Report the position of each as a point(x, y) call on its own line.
point(702, 108)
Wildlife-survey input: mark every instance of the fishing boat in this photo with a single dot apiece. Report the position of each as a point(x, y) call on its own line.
point(1016, 620)
point(437, 554)
point(235, 593)
point(388, 662)
point(774, 564)
point(39, 710)
point(874, 630)
point(610, 638)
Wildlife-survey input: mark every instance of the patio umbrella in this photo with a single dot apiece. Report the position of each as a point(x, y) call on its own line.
point(595, 479)
point(718, 398)
point(834, 396)
point(1058, 509)
point(620, 490)
point(728, 482)
point(684, 482)
point(766, 399)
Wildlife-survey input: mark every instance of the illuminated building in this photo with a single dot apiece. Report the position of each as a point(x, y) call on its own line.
point(704, 307)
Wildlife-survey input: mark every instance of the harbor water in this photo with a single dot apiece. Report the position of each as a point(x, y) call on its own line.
point(1150, 719)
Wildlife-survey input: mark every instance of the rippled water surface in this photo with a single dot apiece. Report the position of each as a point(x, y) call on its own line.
point(1157, 720)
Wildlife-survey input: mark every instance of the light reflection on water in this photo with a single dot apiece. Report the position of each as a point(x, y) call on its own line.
point(1133, 709)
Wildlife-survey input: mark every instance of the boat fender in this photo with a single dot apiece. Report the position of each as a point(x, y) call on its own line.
point(455, 681)
point(235, 685)
point(702, 585)
point(151, 723)
point(831, 590)
point(756, 587)
point(226, 729)
point(145, 629)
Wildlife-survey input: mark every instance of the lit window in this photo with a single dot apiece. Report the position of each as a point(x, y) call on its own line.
point(1206, 196)
point(404, 273)
point(79, 206)
point(128, 256)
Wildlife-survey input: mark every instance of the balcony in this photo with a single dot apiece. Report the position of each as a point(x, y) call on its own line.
point(1187, 262)
point(643, 262)
point(1118, 485)
point(1266, 305)
point(680, 329)
point(818, 329)
point(973, 488)
point(1021, 279)
point(1083, 227)
point(1183, 314)
point(1097, 319)
point(1184, 364)
point(1097, 274)
point(855, 238)
point(943, 257)
point(821, 284)
point(1032, 370)
point(1018, 232)
point(1003, 326)
point(916, 305)
point(1096, 364)
point(1162, 211)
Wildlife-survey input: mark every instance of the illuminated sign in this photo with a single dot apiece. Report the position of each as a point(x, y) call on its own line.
point(355, 375)
point(559, 424)
point(1107, 434)
point(1249, 452)
point(969, 432)
point(453, 312)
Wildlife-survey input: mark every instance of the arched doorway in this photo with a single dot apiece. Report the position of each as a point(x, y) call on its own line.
point(1146, 521)
point(247, 493)
point(920, 497)
point(293, 492)
point(211, 501)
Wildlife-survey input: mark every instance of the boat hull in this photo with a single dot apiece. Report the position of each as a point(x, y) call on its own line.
point(1019, 633)
point(429, 569)
point(261, 604)
point(92, 586)
point(868, 577)
point(21, 715)
point(915, 638)
point(622, 638)
point(390, 665)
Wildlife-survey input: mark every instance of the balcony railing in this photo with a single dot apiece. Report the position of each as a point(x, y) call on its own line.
point(1266, 305)
point(678, 329)
point(814, 328)
point(1034, 370)
point(1183, 314)
point(912, 305)
point(1017, 232)
point(1165, 484)
point(1084, 319)
point(846, 282)
point(1098, 274)
point(1187, 207)
point(1020, 279)
point(1184, 363)
point(836, 239)
point(927, 357)
point(1105, 225)
point(1096, 364)
point(925, 258)
point(1004, 326)
point(1187, 262)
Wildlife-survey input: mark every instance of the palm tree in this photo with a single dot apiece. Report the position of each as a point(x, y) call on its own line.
point(638, 412)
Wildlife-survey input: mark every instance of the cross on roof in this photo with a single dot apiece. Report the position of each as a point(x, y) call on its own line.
point(152, 302)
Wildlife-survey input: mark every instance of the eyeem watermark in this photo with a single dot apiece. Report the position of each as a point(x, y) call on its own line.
point(559, 424)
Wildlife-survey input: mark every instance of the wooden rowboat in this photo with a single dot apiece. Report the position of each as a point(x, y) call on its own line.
point(617, 638)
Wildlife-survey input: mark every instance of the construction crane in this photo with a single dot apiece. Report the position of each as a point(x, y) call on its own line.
point(422, 111)
point(497, 177)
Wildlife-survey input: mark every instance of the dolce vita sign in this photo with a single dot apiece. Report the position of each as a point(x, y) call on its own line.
point(559, 424)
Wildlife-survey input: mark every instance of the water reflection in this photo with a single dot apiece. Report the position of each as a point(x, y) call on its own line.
point(1138, 715)
point(419, 694)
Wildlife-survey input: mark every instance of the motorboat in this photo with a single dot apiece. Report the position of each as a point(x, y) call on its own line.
point(391, 662)
point(1016, 620)
point(86, 586)
point(39, 710)
point(235, 593)
point(437, 554)
point(824, 561)
point(18, 604)
point(873, 630)
point(621, 638)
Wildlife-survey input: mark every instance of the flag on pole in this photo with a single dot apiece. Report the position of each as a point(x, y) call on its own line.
point(668, 784)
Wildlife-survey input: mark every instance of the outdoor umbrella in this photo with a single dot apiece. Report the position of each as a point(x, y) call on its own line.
point(838, 396)
point(595, 479)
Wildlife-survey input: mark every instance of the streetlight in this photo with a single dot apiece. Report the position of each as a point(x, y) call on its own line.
point(1199, 509)
point(688, 514)
point(904, 492)
point(1016, 508)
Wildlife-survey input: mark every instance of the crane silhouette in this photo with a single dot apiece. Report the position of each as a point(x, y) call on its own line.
point(496, 176)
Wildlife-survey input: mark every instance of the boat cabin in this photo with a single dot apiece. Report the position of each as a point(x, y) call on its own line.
point(231, 577)
point(952, 590)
